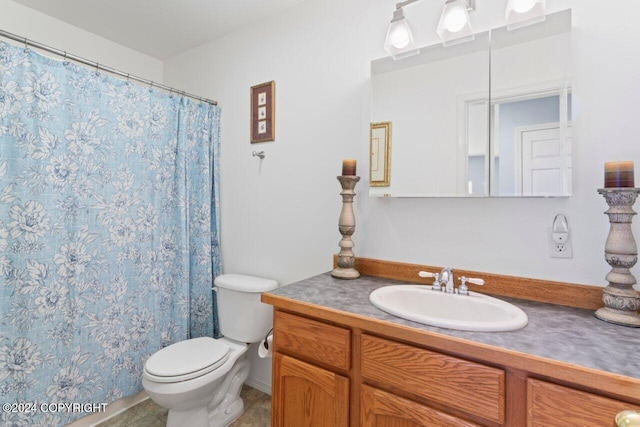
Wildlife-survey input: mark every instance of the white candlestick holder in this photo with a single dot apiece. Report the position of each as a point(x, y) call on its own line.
point(347, 226)
point(620, 298)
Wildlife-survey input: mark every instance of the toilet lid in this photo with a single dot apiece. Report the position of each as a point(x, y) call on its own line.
point(187, 359)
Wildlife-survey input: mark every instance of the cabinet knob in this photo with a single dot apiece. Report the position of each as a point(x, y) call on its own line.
point(628, 419)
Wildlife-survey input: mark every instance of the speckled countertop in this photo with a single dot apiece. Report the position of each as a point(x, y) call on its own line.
point(555, 332)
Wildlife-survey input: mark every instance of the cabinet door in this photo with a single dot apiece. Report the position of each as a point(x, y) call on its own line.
point(382, 409)
point(551, 405)
point(307, 396)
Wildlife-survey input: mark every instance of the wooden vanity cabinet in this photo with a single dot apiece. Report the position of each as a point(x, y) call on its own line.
point(334, 375)
point(317, 366)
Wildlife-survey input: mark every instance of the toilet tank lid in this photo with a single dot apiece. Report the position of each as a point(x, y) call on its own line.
point(240, 282)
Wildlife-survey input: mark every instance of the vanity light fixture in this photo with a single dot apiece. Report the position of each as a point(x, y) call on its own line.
point(399, 41)
point(455, 25)
point(520, 13)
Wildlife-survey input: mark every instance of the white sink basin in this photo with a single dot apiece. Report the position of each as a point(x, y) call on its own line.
point(473, 312)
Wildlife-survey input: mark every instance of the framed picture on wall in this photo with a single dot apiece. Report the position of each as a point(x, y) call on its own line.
point(380, 155)
point(263, 112)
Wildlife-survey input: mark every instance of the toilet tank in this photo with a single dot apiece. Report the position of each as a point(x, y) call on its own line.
point(241, 315)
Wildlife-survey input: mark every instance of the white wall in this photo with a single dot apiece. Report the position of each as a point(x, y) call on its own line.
point(279, 215)
point(25, 22)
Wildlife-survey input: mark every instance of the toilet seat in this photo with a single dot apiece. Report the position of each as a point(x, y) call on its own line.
point(186, 360)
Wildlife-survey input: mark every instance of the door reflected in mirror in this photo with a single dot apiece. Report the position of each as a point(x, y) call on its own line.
point(534, 146)
point(531, 109)
point(487, 118)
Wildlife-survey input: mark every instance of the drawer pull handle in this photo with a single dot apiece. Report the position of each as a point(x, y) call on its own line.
point(628, 419)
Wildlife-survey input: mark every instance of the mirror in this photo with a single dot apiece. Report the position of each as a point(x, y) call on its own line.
point(421, 96)
point(491, 117)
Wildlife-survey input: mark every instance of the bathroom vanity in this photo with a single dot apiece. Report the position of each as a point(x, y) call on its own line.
point(339, 361)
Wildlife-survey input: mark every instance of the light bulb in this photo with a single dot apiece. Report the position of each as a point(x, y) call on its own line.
point(399, 37)
point(455, 20)
point(399, 40)
point(522, 6)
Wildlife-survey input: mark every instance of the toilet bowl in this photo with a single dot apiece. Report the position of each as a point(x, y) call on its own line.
point(199, 380)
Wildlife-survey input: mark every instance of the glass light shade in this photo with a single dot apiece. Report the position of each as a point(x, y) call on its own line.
point(455, 25)
point(520, 13)
point(399, 34)
point(522, 6)
point(399, 41)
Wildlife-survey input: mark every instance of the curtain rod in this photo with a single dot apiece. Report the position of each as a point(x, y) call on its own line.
point(98, 66)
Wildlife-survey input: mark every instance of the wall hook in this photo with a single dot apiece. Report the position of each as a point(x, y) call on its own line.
point(258, 154)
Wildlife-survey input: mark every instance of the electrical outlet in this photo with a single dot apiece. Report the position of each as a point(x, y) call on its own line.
point(562, 249)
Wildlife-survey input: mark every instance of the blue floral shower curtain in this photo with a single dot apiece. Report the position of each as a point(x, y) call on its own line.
point(108, 232)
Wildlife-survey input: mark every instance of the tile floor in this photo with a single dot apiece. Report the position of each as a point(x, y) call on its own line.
point(257, 413)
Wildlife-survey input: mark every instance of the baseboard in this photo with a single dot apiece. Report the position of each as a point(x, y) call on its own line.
point(259, 385)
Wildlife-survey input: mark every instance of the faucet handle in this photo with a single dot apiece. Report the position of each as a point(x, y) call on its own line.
point(475, 281)
point(437, 286)
point(463, 289)
point(436, 279)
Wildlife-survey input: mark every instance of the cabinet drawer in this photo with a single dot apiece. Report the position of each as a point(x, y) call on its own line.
point(379, 408)
point(316, 341)
point(470, 387)
point(550, 405)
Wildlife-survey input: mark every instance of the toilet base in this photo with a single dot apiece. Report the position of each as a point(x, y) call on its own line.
point(232, 405)
point(225, 406)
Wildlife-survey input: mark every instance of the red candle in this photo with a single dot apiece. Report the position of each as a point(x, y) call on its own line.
point(348, 167)
point(618, 175)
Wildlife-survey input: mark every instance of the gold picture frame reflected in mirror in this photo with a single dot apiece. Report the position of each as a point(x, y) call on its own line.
point(380, 154)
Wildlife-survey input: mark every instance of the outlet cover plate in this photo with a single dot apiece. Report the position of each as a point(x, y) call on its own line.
point(559, 250)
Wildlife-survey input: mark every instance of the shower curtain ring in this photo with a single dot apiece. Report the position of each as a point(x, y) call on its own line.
point(64, 58)
point(26, 44)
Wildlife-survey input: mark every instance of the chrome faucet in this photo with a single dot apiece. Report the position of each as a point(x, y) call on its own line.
point(443, 281)
point(446, 279)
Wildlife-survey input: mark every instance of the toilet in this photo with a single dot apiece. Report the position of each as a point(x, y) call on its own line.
point(199, 379)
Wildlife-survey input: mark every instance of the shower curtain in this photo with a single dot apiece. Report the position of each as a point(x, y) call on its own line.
point(108, 233)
